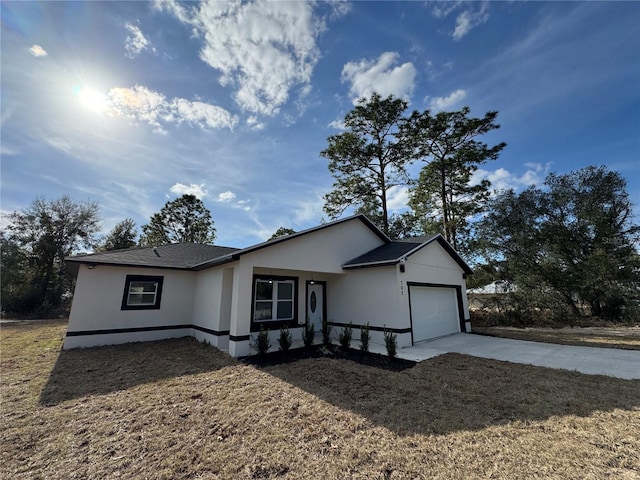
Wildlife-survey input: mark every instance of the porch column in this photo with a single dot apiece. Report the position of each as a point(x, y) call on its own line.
point(240, 324)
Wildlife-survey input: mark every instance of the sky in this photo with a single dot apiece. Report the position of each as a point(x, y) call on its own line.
point(132, 104)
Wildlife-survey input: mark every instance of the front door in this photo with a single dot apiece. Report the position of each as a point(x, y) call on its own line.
point(315, 304)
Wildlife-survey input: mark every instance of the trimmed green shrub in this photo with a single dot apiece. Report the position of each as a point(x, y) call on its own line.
point(308, 334)
point(364, 337)
point(284, 340)
point(326, 333)
point(345, 337)
point(391, 342)
point(261, 343)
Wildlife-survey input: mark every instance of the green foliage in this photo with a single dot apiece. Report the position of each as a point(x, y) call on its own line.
point(448, 142)
point(391, 343)
point(184, 219)
point(572, 243)
point(364, 337)
point(261, 342)
point(326, 333)
point(345, 337)
point(35, 279)
point(369, 157)
point(282, 232)
point(284, 340)
point(308, 334)
point(122, 236)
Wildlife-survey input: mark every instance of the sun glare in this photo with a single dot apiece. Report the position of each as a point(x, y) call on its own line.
point(91, 99)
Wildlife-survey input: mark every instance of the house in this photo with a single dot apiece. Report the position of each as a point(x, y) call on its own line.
point(340, 272)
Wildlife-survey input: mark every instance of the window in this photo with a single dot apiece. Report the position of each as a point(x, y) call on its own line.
point(274, 301)
point(142, 292)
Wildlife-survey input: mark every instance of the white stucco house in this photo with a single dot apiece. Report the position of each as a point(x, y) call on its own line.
point(340, 272)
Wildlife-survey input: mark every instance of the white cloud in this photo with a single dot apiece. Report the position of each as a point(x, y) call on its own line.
point(442, 103)
point(309, 211)
point(339, 8)
point(503, 179)
point(202, 114)
point(37, 51)
point(381, 75)
point(443, 9)
point(142, 104)
point(397, 198)
point(226, 197)
point(262, 48)
point(254, 123)
point(193, 189)
point(338, 124)
point(468, 20)
point(136, 42)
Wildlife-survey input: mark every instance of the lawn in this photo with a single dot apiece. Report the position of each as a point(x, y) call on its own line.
point(178, 409)
point(625, 338)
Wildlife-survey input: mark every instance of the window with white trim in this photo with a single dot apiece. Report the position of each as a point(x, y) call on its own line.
point(142, 292)
point(274, 300)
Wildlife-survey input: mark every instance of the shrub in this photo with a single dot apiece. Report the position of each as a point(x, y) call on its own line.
point(308, 334)
point(284, 340)
point(364, 337)
point(345, 337)
point(391, 342)
point(261, 343)
point(326, 333)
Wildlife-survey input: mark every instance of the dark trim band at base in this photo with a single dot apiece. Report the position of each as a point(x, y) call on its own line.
point(372, 328)
point(239, 338)
point(80, 333)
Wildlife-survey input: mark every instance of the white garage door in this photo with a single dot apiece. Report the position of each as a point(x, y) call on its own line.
point(434, 312)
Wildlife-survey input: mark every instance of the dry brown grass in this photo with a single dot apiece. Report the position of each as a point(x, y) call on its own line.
point(625, 338)
point(178, 409)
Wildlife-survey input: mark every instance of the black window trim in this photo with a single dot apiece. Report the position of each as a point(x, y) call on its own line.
point(273, 324)
point(142, 278)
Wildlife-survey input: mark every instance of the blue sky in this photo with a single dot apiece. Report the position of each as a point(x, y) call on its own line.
point(132, 104)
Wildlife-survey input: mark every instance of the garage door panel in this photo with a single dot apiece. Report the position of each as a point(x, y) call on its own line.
point(434, 312)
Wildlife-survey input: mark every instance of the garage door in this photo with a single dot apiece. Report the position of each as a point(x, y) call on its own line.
point(434, 312)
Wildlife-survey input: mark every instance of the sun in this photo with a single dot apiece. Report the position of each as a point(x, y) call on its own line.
point(91, 99)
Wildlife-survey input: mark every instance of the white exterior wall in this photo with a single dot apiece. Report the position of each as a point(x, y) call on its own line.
point(433, 264)
point(97, 303)
point(369, 295)
point(211, 296)
point(322, 251)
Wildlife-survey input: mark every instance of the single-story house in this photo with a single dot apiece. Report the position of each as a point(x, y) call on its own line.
point(342, 272)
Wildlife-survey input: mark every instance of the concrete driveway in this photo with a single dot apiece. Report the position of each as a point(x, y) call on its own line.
point(591, 360)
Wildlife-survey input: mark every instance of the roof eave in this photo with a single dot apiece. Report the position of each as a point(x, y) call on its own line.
point(383, 263)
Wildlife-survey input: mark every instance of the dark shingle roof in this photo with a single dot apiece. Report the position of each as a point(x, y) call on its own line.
point(393, 252)
point(184, 256)
point(192, 256)
point(388, 253)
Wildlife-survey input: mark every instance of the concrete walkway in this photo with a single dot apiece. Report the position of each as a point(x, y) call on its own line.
point(591, 360)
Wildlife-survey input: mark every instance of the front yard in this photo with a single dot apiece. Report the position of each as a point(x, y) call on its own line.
point(178, 409)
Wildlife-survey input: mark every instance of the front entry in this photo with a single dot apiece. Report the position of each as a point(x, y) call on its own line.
point(316, 304)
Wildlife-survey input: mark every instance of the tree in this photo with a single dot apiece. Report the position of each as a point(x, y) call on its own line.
point(38, 239)
point(443, 193)
point(184, 219)
point(121, 237)
point(282, 232)
point(575, 239)
point(369, 158)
